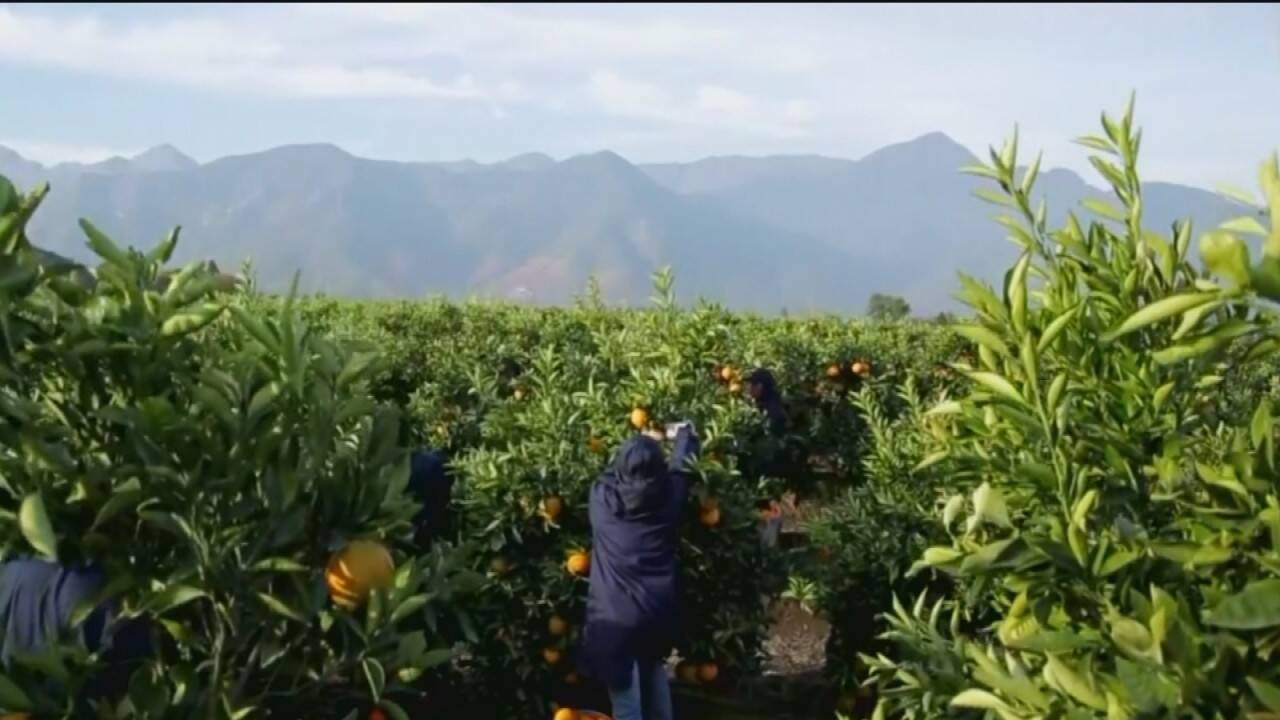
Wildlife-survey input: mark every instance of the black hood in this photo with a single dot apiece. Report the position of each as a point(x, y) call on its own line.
point(765, 380)
point(638, 475)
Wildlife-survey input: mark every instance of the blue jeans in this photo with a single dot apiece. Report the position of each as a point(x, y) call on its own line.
point(647, 697)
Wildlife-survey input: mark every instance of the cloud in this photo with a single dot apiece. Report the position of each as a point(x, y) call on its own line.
point(708, 106)
point(207, 54)
point(51, 153)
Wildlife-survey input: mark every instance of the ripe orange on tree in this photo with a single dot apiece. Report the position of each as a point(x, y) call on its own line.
point(499, 566)
point(520, 393)
point(566, 714)
point(578, 563)
point(557, 625)
point(708, 672)
point(861, 368)
point(552, 655)
point(552, 505)
point(639, 418)
point(361, 566)
point(709, 516)
point(833, 371)
point(728, 374)
point(735, 387)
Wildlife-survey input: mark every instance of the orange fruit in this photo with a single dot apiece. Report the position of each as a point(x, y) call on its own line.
point(361, 566)
point(708, 672)
point(833, 371)
point(687, 673)
point(499, 566)
point(377, 714)
point(709, 502)
point(519, 393)
point(639, 418)
point(727, 373)
point(557, 625)
point(552, 655)
point(551, 507)
point(861, 368)
point(578, 563)
point(566, 714)
point(710, 516)
point(735, 387)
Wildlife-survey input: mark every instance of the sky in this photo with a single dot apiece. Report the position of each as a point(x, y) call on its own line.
point(651, 82)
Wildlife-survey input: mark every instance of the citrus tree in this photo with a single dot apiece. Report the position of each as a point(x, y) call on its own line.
point(211, 461)
point(1115, 553)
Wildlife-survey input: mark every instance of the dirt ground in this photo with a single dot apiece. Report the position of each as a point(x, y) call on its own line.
point(797, 641)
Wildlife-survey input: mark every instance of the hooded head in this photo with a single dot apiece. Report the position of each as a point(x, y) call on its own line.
point(763, 386)
point(639, 474)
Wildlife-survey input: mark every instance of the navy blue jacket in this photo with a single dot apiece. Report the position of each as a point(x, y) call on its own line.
point(431, 484)
point(770, 400)
point(37, 599)
point(633, 603)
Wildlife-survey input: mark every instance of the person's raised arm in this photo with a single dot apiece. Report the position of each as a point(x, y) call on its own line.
point(685, 447)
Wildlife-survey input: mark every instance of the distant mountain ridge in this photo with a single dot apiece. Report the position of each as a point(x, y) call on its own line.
point(804, 233)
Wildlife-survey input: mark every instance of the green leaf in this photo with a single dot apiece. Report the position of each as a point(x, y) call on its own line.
point(1227, 256)
point(279, 564)
point(36, 528)
point(172, 597)
point(408, 607)
point(1055, 329)
point(1073, 684)
point(1160, 310)
point(989, 506)
point(1266, 692)
point(356, 367)
point(12, 697)
point(104, 248)
point(981, 700)
point(1261, 426)
point(164, 250)
point(932, 459)
point(1257, 607)
point(376, 677)
point(125, 497)
point(277, 606)
point(983, 336)
point(189, 322)
point(1245, 224)
point(394, 711)
point(998, 385)
point(1105, 209)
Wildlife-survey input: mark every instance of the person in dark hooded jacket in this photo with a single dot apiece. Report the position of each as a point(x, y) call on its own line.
point(764, 391)
point(771, 458)
point(431, 484)
point(633, 614)
point(37, 600)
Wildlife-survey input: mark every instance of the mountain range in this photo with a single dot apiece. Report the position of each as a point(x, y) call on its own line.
point(802, 233)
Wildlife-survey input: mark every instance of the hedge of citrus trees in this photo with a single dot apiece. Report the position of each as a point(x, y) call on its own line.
point(1111, 528)
point(211, 462)
point(531, 402)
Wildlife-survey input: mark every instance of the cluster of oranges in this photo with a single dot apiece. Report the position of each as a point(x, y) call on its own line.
point(728, 376)
point(691, 673)
point(860, 368)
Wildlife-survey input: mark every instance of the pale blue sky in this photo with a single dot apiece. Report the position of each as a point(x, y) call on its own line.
point(652, 82)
